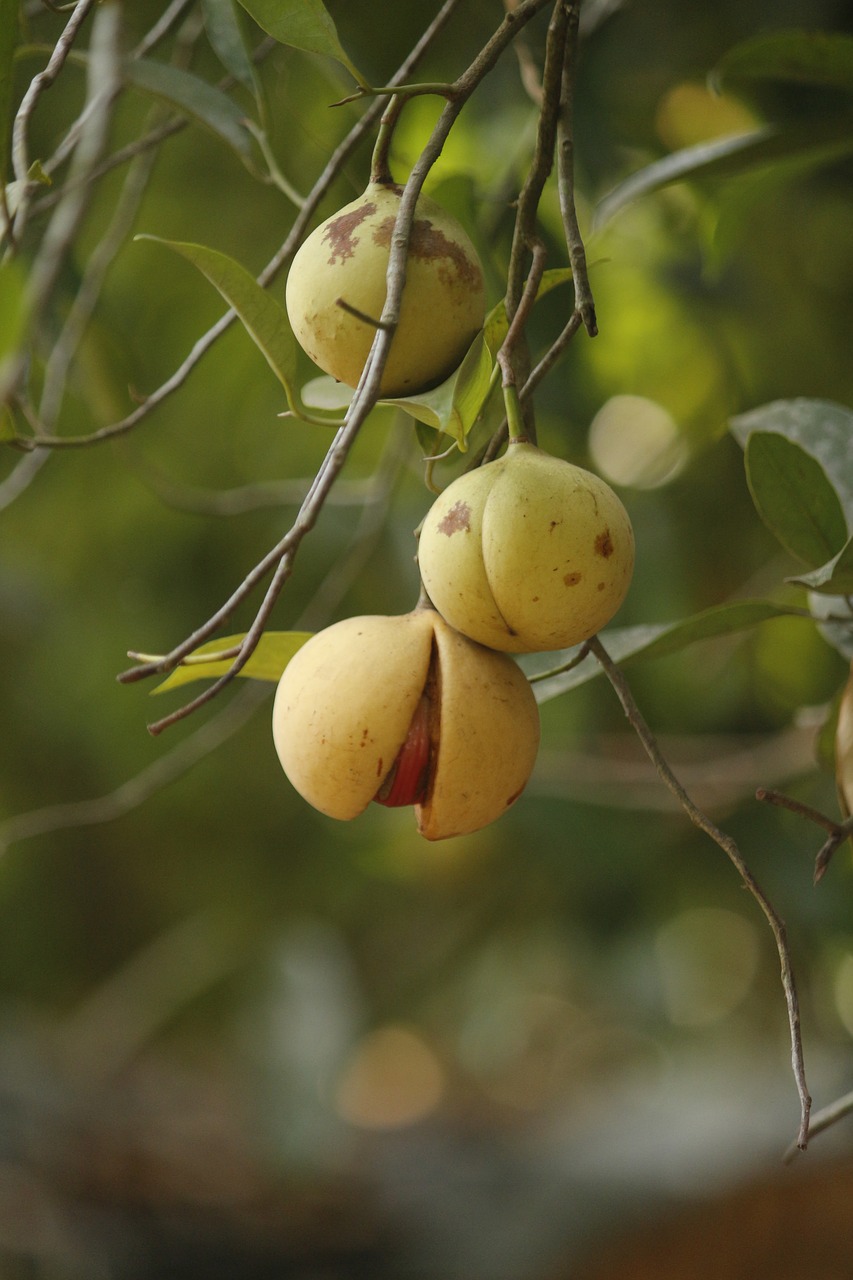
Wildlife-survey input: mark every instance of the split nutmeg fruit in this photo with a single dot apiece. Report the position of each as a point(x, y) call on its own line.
point(527, 553)
point(346, 259)
point(404, 710)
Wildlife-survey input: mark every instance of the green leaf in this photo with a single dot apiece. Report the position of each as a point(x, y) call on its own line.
point(274, 651)
point(194, 97)
point(794, 497)
point(303, 24)
point(834, 578)
point(452, 407)
point(9, 29)
point(227, 41)
point(822, 428)
point(805, 57)
point(264, 318)
point(770, 144)
point(628, 644)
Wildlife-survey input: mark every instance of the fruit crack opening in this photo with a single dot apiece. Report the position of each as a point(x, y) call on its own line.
point(409, 779)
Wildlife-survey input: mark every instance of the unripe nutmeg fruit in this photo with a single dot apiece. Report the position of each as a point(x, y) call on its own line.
point(404, 710)
point(527, 553)
point(443, 304)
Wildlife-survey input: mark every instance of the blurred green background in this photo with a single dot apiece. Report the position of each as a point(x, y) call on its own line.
point(238, 1038)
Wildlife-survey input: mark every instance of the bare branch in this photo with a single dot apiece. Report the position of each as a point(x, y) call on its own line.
point(823, 1120)
point(838, 831)
point(730, 848)
point(584, 303)
point(103, 85)
point(40, 82)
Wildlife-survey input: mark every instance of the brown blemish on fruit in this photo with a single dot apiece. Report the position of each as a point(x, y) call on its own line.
point(514, 796)
point(340, 232)
point(430, 244)
point(572, 579)
point(553, 525)
point(604, 544)
point(379, 767)
point(457, 520)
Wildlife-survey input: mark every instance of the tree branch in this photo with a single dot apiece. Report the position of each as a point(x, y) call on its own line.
point(584, 303)
point(730, 848)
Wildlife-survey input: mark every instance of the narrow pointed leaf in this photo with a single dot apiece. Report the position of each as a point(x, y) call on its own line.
point(794, 497)
point(264, 318)
point(629, 644)
point(226, 39)
point(194, 97)
point(303, 24)
point(274, 651)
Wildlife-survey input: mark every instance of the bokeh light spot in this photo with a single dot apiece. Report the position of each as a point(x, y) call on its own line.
point(393, 1079)
point(635, 442)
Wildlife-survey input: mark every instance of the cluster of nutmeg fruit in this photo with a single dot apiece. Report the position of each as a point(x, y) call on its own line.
point(527, 553)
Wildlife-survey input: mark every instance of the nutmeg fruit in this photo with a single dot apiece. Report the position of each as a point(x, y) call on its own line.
point(443, 305)
point(404, 710)
point(527, 553)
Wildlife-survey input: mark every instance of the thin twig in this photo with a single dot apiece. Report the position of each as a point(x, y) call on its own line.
point(160, 29)
point(40, 82)
point(86, 299)
point(103, 86)
point(730, 848)
point(525, 232)
point(584, 302)
point(542, 162)
point(506, 353)
point(823, 1120)
point(838, 831)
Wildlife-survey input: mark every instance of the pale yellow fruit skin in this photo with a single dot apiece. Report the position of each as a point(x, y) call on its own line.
point(488, 739)
point(344, 705)
point(345, 701)
point(528, 553)
point(443, 305)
